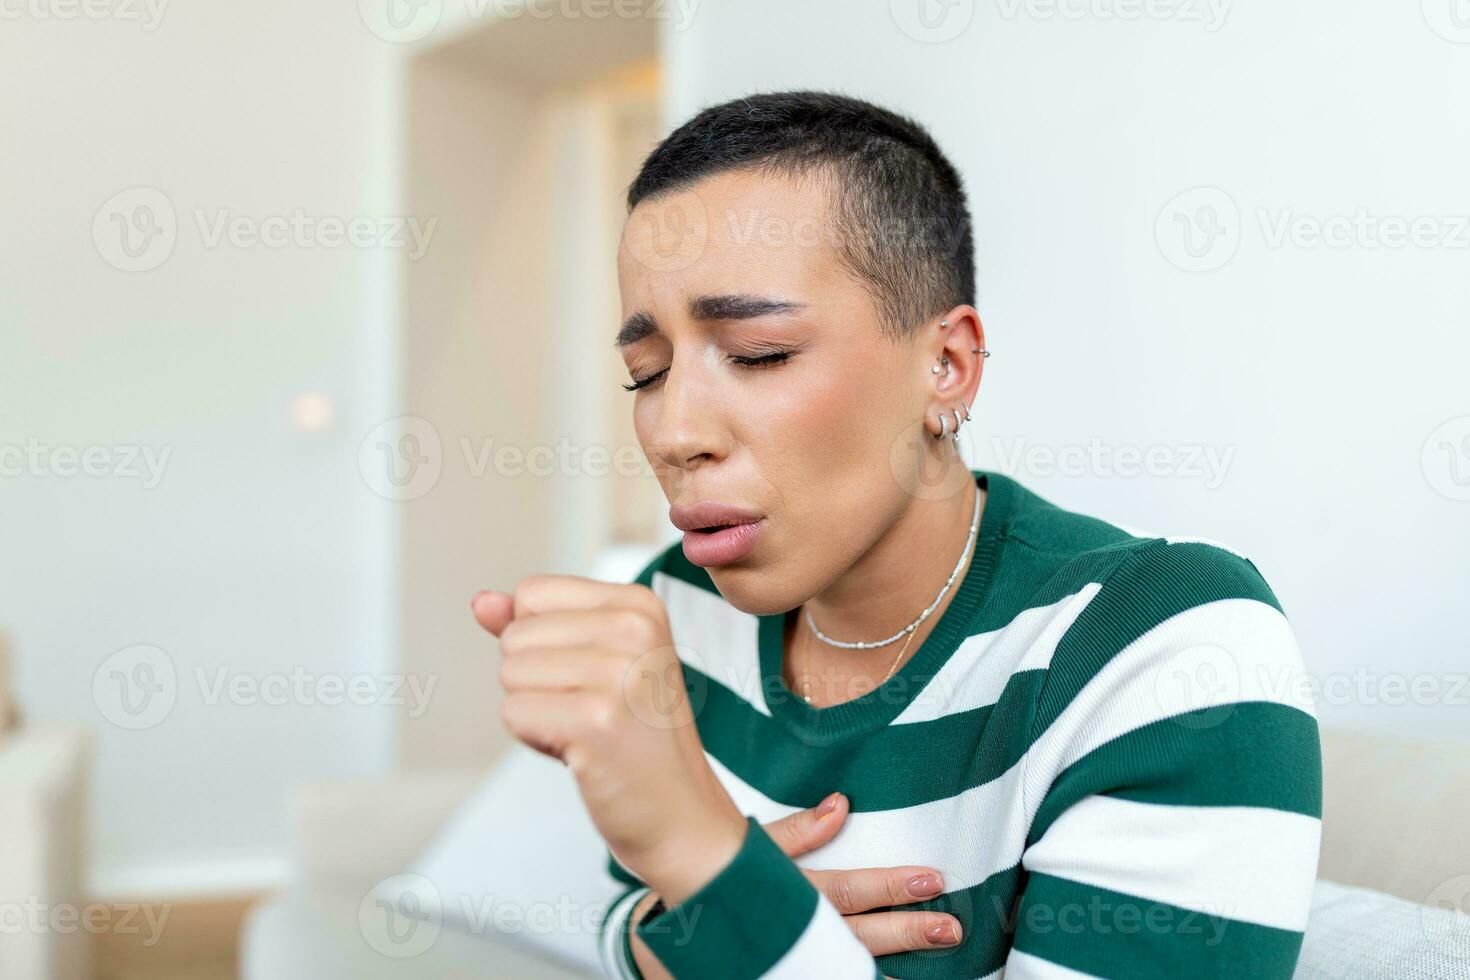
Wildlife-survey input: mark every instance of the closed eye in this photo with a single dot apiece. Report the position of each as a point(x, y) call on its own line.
point(755, 361)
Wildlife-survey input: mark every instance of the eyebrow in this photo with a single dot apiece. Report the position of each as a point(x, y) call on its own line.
point(729, 306)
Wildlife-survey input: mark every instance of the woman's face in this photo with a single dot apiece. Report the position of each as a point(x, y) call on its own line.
point(744, 266)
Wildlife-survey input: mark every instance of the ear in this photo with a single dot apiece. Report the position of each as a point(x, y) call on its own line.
point(958, 343)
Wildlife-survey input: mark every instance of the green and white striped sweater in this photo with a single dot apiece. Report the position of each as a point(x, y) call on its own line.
point(1105, 745)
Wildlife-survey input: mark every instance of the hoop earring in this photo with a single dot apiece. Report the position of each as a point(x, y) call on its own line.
point(943, 427)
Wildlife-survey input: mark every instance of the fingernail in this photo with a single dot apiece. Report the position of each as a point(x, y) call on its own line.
point(476, 597)
point(942, 934)
point(828, 805)
point(924, 885)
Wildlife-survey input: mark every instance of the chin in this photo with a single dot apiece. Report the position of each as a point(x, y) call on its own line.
point(748, 587)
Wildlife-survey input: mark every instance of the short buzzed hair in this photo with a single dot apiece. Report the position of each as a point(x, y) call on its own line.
point(903, 225)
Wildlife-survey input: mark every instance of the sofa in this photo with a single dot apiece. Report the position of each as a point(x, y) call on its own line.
point(1395, 860)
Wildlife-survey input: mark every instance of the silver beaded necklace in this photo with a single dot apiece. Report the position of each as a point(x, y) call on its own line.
point(862, 645)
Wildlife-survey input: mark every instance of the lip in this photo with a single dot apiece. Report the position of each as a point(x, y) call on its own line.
point(740, 527)
point(708, 548)
point(692, 517)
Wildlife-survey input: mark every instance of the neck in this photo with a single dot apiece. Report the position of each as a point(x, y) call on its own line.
point(898, 577)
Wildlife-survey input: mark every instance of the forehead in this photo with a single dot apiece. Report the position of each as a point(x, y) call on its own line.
point(733, 232)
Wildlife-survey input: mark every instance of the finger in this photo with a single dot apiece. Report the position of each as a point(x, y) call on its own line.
point(493, 610)
point(806, 830)
point(860, 889)
point(560, 669)
point(621, 627)
point(897, 932)
point(547, 593)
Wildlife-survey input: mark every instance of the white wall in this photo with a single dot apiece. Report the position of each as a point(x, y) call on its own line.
point(261, 550)
point(1321, 371)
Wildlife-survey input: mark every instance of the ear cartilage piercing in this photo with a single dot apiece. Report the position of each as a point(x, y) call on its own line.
point(980, 350)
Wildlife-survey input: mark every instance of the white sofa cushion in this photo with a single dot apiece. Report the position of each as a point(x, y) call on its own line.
point(520, 857)
point(1358, 934)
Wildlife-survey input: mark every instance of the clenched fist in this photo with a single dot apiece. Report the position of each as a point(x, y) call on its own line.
point(591, 678)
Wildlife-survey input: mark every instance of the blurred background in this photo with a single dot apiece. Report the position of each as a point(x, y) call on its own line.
point(306, 314)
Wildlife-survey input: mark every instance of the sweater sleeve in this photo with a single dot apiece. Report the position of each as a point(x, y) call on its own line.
point(1175, 779)
point(758, 917)
point(613, 943)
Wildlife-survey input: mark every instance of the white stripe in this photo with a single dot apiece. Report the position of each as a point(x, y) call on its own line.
point(1245, 863)
point(1137, 687)
point(611, 947)
point(714, 637)
point(976, 673)
point(827, 947)
point(1024, 966)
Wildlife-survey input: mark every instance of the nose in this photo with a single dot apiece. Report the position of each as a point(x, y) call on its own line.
point(688, 432)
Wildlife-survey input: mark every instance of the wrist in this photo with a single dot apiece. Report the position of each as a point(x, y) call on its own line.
point(691, 861)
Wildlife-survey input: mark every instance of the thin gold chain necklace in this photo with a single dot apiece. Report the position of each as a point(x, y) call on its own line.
point(806, 685)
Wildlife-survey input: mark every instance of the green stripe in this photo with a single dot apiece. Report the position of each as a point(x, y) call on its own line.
point(1111, 934)
point(1156, 582)
point(1261, 754)
point(894, 767)
point(986, 913)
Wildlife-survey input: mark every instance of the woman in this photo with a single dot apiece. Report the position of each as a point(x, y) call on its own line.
point(999, 736)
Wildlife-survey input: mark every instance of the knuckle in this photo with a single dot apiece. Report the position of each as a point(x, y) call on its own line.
point(634, 627)
point(842, 893)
